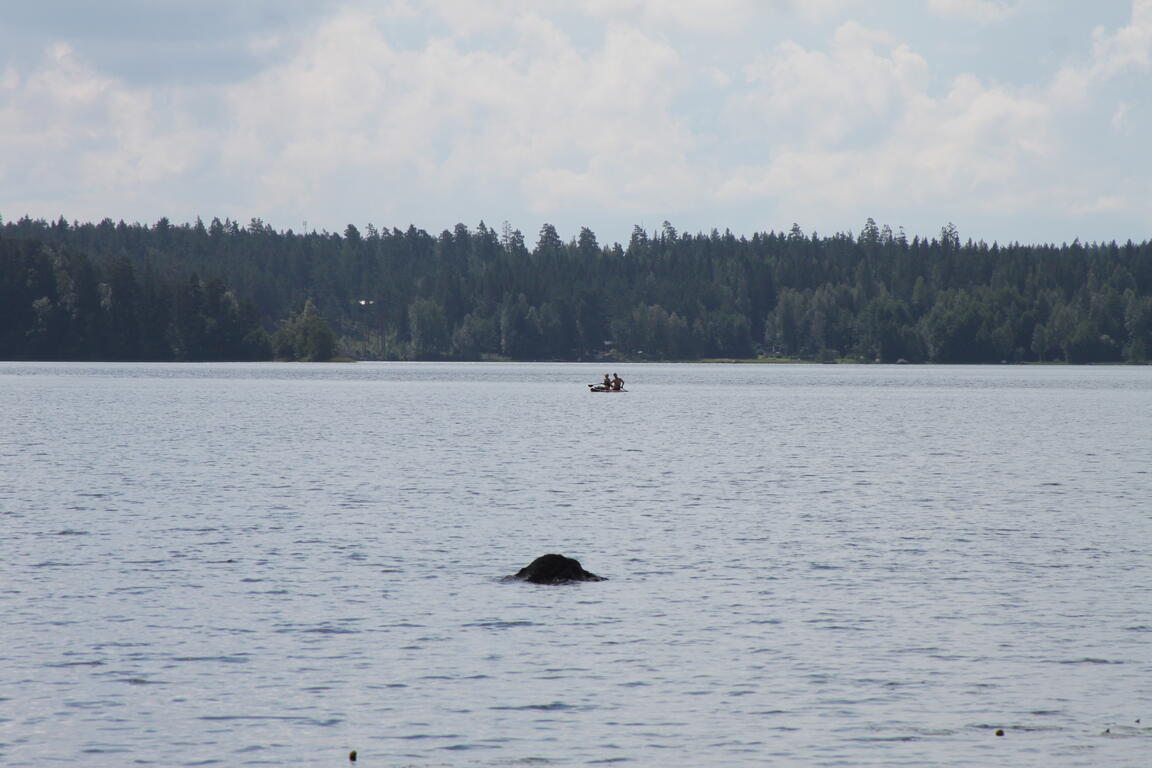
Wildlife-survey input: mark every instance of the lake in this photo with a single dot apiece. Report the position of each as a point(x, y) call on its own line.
point(822, 565)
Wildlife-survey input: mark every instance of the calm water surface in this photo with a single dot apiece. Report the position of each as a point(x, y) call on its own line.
point(809, 565)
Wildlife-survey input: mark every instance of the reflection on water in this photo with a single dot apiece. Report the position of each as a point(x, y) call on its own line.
point(809, 565)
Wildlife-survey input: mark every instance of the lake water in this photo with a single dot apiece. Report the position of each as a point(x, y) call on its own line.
point(276, 564)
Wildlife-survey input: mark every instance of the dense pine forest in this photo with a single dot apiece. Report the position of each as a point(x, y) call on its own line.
point(223, 291)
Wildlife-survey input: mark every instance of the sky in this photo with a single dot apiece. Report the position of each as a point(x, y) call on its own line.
point(1015, 120)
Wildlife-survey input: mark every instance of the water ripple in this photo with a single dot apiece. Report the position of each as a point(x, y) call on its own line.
point(861, 566)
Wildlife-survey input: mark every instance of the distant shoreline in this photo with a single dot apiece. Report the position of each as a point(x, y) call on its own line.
point(617, 362)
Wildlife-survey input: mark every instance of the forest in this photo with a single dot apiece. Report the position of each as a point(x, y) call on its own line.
point(226, 291)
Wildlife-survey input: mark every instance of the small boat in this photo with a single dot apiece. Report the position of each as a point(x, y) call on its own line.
point(602, 388)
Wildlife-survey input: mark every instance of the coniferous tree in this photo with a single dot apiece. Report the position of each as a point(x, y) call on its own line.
point(195, 292)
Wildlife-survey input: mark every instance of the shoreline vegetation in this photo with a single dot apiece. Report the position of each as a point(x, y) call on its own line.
point(797, 361)
point(221, 291)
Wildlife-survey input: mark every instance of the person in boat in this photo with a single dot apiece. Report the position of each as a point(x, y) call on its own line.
point(607, 382)
point(617, 383)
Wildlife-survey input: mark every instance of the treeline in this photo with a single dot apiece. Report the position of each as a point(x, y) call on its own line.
point(56, 304)
point(469, 294)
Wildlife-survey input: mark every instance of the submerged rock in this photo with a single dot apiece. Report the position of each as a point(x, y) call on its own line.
point(555, 569)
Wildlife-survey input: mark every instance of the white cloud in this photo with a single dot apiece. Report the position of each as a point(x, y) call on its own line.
point(565, 126)
point(866, 128)
point(825, 96)
point(823, 11)
point(446, 110)
point(1125, 50)
point(979, 11)
point(976, 135)
point(715, 15)
point(964, 144)
point(69, 131)
point(466, 18)
point(719, 15)
point(1130, 47)
point(1120, 117)
point(1103, 204)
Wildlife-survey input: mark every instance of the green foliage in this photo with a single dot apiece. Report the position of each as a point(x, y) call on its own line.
point(193, 292)
point(56, 304)
point(305, 337)
point(428, 329)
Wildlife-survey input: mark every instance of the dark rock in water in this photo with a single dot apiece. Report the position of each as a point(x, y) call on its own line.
point(555, 569)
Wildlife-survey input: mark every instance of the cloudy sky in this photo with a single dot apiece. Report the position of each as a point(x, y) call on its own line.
point(1025, 120)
